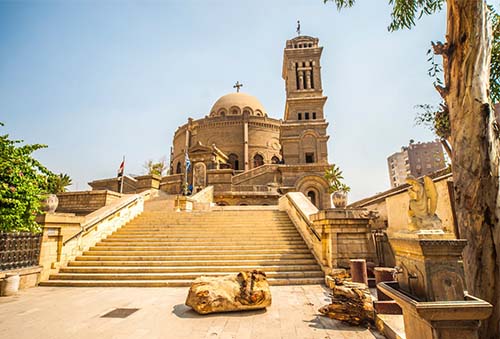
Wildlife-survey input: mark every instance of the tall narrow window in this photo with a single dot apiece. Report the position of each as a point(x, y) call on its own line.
point(312, 74)
point(312, 196)
point(233, 161)
point(297, 74)
point(306, 116)
point(314, 115)
point(299, 116)
point(309, 158)
point(178, 169)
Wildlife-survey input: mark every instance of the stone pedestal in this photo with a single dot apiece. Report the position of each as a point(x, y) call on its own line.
point(183, 203)
point(358, 271)
point(346, 235)
point(439, 320)
point(430, 287)
point(429, 267)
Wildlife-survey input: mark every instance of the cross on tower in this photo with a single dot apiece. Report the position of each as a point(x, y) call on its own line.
point(237, 86)
point(298, 27)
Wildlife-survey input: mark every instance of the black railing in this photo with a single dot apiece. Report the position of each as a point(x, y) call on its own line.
point(19, 250)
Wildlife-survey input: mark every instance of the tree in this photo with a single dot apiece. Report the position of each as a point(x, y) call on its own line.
point(157, 168)
point(58, 183)
point(23, 183)
point(437, 118)
point(474, 135)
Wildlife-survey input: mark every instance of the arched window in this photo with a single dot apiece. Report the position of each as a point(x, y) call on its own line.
point(258, 160)
point(178, 169)
point(233, 161)
point(275, 160)
point(312, 196)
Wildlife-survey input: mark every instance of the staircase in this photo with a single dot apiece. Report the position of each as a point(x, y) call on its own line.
point(165, 248)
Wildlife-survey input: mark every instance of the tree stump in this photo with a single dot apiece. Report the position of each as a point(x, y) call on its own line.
point(351, 303)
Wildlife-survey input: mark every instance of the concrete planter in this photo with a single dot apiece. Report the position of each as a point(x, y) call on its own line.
point(50, 203)
point(339, 199)
point(10, 285)
point(438, 319)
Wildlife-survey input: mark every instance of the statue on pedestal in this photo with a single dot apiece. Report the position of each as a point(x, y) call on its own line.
point(423, 203)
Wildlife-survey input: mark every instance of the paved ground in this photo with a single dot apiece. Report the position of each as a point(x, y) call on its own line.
point(65, 312)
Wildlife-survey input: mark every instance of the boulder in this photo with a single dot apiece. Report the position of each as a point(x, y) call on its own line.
point(351, 303)
point(236, 292)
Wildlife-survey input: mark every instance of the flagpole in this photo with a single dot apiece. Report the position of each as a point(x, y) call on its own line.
point(185, 185)
point(123, 176)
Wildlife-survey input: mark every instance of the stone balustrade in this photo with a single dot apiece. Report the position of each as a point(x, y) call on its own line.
point(66, 235)
point(333, 235)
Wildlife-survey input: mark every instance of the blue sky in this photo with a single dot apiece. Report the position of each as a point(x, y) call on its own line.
point(95, 80)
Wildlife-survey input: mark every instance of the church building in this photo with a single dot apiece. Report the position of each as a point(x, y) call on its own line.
point(250, 158)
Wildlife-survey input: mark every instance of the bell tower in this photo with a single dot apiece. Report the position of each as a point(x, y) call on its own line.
point(303, 132)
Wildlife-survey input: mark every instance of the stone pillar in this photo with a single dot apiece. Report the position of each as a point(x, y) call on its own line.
point(308, 79)
point(383, 274)
point(349, 234)
point(301, 79)
point(245, 143)
point(358, 271)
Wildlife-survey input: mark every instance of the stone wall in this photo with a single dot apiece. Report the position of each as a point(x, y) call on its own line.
point(66, 236)
point(392, 205)
point(131, 185)
point(85, 202)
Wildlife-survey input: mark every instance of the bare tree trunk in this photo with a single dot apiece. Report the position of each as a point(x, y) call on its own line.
point(475, 147)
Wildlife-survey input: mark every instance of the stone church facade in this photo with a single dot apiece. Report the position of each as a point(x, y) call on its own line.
point(250, 158)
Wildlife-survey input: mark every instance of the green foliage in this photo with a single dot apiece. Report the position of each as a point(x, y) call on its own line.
point(157, 168)
point(495, 57)
point(58, 183)
point(334, 177)
point(23, 181)
point(436, 118)
point(404, 12)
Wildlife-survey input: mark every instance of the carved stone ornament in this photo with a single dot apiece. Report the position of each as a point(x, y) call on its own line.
point(423, 203)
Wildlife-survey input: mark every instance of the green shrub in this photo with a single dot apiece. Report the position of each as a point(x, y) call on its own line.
point(23, 184)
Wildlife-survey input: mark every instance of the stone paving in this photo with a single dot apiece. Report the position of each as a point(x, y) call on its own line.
point(68, 312)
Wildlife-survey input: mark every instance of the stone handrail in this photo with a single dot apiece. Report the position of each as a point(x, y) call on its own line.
point(239, 178)
point(299, 208)
point(205, 196)
point(66, 236)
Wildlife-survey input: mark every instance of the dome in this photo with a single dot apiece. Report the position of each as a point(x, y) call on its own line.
point(237, 104)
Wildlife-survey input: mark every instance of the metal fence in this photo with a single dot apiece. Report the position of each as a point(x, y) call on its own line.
point(19, 250)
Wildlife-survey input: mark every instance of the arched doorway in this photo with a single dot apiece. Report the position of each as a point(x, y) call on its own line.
point(312, 196)
point(258, 160)
point(233, 161)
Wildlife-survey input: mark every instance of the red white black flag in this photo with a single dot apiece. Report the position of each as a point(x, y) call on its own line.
point(122, 168)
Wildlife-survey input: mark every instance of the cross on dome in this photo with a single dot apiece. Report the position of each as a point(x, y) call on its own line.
point(237, 85)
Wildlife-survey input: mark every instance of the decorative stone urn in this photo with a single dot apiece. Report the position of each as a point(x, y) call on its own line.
point(339, 199)
point(50, 203)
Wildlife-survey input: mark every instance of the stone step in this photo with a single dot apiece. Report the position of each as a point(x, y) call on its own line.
point(216, 252)
point(206, 232)
point(166, 283)
point(183, 263)
point(212, 237)
point(189, 242)
point(234, 256)
point(208, 223)
point(195, 247)
point(206, 229)
point(175, 275)
point(180, 269)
